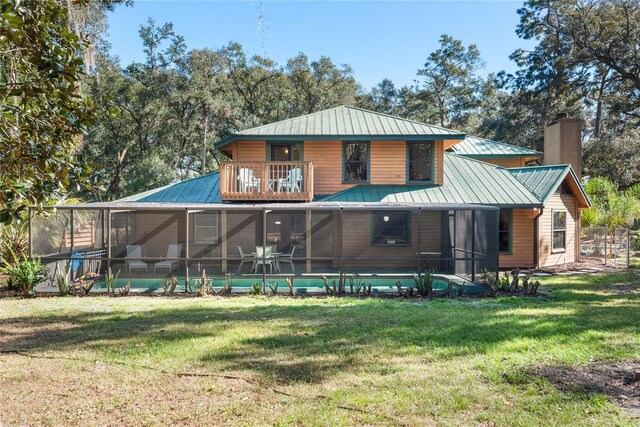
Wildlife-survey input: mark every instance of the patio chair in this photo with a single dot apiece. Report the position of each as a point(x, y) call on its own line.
point(173, 251)
point(247, 181)
point(289, 258)
point(291, 182)
point(133, 252)
point(245, 258)
point(263, 257)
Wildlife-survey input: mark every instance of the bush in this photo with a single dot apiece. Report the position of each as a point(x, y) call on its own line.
point(14, 242)
point(25, 274)
point(424, 282)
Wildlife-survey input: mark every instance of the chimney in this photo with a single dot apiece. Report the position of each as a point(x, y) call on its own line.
point(562, 142)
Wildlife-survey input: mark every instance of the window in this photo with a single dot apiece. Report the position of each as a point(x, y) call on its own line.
point(559, 228)
point(356, 162)
point(391, 228)
point(284, 152)
point(205, 227)
point(504, 231)
point(419, 161)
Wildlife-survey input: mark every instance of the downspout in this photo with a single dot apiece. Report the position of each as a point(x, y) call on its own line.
point(536, 239)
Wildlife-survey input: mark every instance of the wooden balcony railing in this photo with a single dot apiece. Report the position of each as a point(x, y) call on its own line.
point(266, 181)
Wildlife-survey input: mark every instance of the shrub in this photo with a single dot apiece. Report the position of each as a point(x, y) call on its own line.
point(292, 289)
point(227, 287)
point(63, 280)
point(169, 287)
point(255, 289)
point(14, 242)
point(125, 289)
point(424, 282)
point(274, 288)
point(490, 282)
point(111, 281)
point(25, 274)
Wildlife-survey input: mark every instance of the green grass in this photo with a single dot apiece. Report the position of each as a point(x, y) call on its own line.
point(343, 361)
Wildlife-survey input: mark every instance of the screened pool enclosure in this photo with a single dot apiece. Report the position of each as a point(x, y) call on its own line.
point(149, 243)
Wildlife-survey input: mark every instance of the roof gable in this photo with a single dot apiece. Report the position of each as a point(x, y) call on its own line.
point(345, 122)
point(543, 181)
point(476, 147)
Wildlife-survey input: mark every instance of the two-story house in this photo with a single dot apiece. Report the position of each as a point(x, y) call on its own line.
point(345, 190)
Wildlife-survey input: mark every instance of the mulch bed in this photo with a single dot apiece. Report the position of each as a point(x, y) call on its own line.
point(619, 380)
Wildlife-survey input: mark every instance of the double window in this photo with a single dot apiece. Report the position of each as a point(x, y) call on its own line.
point(559, 230)
point(504, 230)
point(420, 161)
point(391, 228)
point(356, 162)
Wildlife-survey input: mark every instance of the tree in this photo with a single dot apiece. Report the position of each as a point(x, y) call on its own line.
point(615, 157)
point(384, 97)
point(586, 62)
point(43, 113)
point(450, 89)
point(318, 85)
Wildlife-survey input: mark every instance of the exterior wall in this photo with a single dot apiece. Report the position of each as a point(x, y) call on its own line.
point(522, 240)
point(546, 256)
point(511, 162)
point(388, 161)
point(326, 157)
point(357, 242)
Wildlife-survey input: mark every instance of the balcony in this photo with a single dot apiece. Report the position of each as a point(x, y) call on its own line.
point(266, 181)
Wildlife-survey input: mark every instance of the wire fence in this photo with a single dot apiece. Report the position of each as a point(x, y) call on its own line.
point(610, 247)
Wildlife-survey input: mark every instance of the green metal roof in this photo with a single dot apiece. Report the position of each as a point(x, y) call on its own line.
point(465, 181)
point(544, 180)
point(475, 147)
point(203, 189)
point(345, 122)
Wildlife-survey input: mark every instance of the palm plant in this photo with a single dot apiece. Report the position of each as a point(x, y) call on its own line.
point(611, 208)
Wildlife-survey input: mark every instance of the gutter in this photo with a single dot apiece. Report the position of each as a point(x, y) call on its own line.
point(536, 239)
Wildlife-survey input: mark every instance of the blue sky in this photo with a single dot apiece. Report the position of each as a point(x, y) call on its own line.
point(379, 39)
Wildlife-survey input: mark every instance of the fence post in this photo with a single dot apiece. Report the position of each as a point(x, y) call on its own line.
point(628, 246)
point(606, 247)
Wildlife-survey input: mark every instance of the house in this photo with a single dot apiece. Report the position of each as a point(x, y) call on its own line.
point(344, 190)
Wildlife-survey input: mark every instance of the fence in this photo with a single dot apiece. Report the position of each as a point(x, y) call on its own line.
point(597, 244)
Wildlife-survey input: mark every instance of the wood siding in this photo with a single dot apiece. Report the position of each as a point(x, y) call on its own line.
point(359, 252)
point(326, 157)
point(548, 257)
point(522, 243)
point(388, 161)
point(513, 162)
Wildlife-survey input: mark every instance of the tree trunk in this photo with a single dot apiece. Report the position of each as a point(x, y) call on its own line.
point(204, 142)
point(598, 120)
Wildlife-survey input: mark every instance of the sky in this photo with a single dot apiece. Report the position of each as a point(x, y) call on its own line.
point(378, 39)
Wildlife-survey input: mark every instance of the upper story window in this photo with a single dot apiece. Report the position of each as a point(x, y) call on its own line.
point(284, 151)
point(420, 161)
point(559, 229)
point(355, 162)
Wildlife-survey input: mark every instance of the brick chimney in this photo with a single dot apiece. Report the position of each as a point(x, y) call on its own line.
point(563, 142)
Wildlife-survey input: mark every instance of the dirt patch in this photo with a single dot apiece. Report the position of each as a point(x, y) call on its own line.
point(618, 380)
point(585, 264)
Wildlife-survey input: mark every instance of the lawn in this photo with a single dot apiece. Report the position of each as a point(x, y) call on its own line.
point(316, 361)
